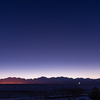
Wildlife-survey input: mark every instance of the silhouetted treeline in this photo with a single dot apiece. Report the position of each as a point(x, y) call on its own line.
point(95, 94)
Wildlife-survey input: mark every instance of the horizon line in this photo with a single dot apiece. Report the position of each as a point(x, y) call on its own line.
point(49, 77)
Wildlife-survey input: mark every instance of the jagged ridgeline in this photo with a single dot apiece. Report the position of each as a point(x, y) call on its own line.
point(52, 80)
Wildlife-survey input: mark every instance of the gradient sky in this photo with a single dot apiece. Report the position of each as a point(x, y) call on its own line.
point(49, 38)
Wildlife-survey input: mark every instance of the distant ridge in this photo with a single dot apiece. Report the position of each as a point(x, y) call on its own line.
point(52, 80)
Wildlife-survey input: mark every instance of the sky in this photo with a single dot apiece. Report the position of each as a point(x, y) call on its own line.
point(50, 38)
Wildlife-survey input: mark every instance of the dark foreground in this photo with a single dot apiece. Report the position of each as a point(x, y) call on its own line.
point(45, 92)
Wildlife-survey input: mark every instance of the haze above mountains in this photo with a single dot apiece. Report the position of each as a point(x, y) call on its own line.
point(52, 80)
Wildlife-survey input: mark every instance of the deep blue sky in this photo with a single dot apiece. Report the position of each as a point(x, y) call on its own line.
point(49, 38)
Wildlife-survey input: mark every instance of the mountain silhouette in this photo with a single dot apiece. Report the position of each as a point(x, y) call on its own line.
point(52, 80)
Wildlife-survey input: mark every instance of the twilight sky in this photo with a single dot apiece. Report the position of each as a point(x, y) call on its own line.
point(50, 38)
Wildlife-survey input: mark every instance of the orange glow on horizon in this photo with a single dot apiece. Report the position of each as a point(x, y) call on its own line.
point(11, 82)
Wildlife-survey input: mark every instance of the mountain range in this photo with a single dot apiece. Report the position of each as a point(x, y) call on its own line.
point(52, 80)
